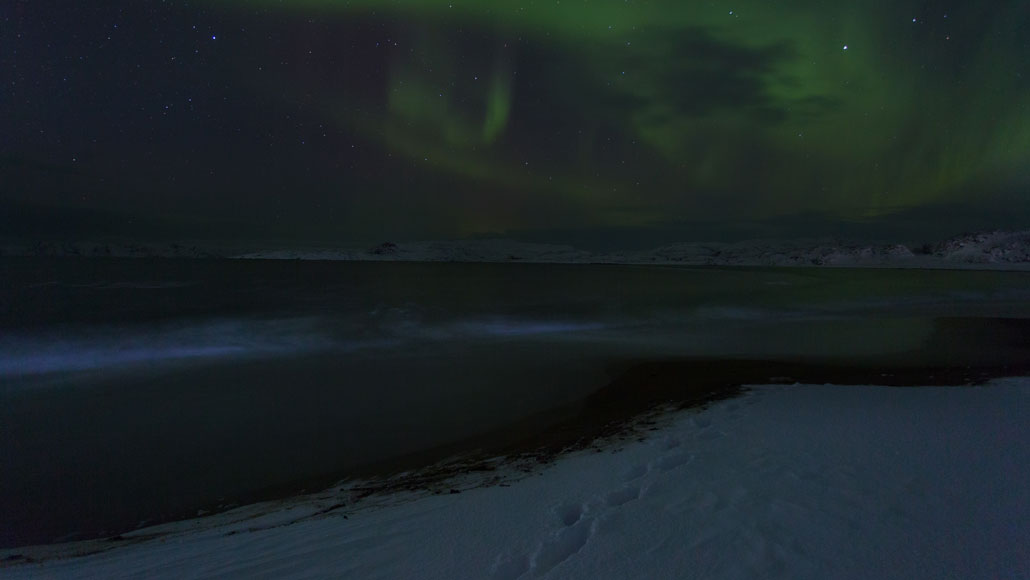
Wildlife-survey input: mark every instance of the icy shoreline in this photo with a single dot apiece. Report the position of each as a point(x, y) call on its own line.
point(795, 481)
point(987, 250)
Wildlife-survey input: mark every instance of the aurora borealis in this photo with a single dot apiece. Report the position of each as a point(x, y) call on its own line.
point(632, 120)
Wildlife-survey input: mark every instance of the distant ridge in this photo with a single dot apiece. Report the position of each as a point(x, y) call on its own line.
point(991, 250)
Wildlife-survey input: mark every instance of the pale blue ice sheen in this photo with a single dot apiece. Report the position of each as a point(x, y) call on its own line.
point(113, 347)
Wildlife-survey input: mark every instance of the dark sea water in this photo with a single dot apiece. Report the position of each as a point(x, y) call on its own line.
point(139, 391)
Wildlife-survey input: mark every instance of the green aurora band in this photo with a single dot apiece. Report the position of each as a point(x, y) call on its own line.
point(635, 112)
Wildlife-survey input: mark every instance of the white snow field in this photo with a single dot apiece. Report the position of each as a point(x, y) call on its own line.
point(799, 481)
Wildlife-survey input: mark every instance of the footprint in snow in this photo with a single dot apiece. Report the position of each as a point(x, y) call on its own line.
point(578, 522)
point(622, 496)
point(570, 538)
point(564, 544)
point(569, 513)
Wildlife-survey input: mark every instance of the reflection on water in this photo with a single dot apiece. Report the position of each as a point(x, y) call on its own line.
point(154, 387)
point(121, 314)
point(102, 347)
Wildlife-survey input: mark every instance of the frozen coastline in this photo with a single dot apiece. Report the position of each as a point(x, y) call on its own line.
point(795, 481)
point(998, 250)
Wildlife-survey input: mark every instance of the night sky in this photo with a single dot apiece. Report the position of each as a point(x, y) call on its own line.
point(617, 123)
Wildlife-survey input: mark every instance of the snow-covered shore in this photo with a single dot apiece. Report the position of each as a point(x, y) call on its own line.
point(796, 481)
point(996, 250)
point(987, 250)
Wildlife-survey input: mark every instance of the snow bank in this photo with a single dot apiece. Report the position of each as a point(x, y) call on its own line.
point(786, 482)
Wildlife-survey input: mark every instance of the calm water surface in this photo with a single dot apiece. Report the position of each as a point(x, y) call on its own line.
point(138, 391)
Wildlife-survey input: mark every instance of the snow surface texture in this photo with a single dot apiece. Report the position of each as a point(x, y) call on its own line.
point(786, 482)
point(1006, 250)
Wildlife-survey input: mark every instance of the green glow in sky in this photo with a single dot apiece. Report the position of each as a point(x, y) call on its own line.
point(643, 111)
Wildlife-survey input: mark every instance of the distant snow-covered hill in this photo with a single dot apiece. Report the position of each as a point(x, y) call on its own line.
point(995, 250)
point(999, 249)
point(985, 248)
